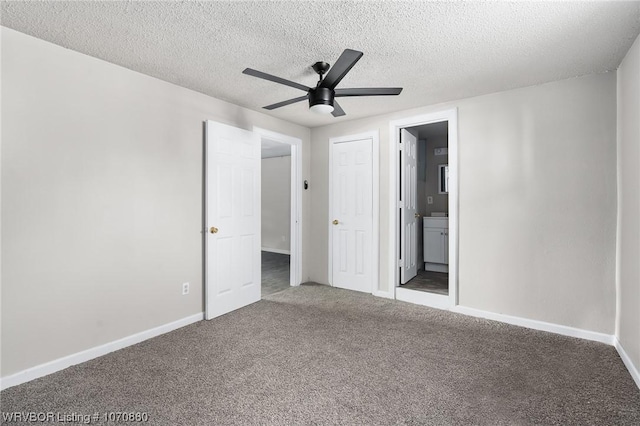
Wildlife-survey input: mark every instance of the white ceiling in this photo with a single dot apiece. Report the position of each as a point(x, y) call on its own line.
point(437, 51)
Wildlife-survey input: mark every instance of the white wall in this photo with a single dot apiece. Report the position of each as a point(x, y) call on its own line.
point(628, 267)
point(537, 200)
point(101, 199)
point(276, 204)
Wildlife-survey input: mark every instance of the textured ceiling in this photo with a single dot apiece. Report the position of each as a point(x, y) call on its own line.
point(437, 51)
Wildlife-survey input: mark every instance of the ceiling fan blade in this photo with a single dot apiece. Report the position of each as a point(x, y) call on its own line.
point(373, 91)
point(284, 103)
point(275, 79)
point(337, 110)
point(345, 62)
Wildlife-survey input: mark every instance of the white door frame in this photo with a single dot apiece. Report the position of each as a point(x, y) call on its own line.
point(375, 236)
point(295, 272)
point(450, 115)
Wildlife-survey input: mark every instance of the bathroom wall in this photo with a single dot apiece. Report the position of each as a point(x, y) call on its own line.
point(421, 198)
point(440, 201)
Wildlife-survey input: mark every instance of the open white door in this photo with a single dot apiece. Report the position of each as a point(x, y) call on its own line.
point(232, 200)
point(409, 191)
point(352, 214)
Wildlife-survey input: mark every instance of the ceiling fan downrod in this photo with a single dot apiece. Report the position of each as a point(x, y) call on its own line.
point(321, 69)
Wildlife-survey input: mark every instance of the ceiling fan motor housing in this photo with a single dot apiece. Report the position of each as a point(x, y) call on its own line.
point(321, 96)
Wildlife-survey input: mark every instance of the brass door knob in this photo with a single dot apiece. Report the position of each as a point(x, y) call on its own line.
point(335, 221)
point(213, 230)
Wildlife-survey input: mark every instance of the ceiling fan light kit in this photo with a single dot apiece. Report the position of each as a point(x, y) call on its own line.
point(322, 108)
point(321, 100)
point(322, 97)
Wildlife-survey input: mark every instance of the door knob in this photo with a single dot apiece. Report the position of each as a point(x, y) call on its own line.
point(335, 221)
point(416, 215)
point(213, 230)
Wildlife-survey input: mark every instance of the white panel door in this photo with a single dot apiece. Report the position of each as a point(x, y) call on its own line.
point(352, 215)
point(409, 194)
point(232, 242)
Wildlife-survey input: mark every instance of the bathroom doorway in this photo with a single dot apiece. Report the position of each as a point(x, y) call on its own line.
point(426, 212)
point(427, 239)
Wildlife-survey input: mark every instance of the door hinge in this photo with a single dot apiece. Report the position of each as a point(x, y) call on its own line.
point(400, 146)
point(400, 204)
point(400, 263)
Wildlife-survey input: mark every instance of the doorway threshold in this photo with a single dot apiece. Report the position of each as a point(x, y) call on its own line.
point(438, 301)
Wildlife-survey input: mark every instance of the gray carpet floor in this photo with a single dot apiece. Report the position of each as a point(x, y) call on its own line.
point(275, 272)
point(429, 281)
point(315, 355)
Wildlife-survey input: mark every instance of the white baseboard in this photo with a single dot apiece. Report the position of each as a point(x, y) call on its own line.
point(537, 325)
point(86, 355)
point(275, 250)
point(438, 301)
point(436, 267)
point(385, 294)
point(633, 370)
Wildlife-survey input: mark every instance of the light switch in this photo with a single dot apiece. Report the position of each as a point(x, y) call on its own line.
point(429, 199)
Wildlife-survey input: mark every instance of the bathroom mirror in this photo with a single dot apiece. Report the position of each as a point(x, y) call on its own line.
point(443, 179)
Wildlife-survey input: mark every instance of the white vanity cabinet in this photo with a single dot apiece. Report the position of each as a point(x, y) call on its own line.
point(436, 244)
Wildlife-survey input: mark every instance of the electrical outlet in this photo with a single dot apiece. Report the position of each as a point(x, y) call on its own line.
point(429, 200)
point(185, 288)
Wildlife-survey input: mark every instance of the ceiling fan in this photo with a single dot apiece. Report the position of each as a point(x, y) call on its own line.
point(322, 97)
